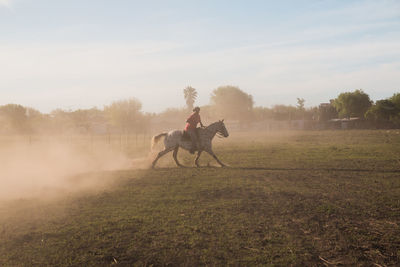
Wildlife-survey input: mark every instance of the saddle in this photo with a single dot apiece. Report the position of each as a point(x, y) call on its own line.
point(186, 136)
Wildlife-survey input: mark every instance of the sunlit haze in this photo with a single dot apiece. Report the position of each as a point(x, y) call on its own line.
point(80, 54)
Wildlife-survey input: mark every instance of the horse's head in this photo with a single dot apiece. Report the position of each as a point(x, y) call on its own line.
point(222, 129)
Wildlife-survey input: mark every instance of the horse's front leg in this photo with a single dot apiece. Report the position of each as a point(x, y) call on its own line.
point(196, 161)
point(215, 157)
point(175, 154)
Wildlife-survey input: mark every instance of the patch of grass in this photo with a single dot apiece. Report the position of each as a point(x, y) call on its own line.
point(297, 198)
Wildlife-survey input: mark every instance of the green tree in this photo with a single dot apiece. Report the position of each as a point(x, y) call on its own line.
point(383, 113)
point(352, 104)
point(232, 103)
point(125, 115)
point(14, 118)
point(61, 121)
point(284, 112)
point(83, 119)
point(37, 122)
point(262, 113)
point(395, 99)
point(300, 108)
point(311, 114)
point(190, 95)
point(300, 104)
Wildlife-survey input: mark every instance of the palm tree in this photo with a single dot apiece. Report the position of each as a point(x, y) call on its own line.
point(190, 95)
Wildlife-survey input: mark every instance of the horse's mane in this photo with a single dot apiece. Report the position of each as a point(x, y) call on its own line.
point(212, 124)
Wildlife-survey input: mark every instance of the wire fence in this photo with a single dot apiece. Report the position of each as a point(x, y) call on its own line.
point(128, 143)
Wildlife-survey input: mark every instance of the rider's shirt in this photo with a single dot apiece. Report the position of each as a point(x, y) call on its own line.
point(192, 121)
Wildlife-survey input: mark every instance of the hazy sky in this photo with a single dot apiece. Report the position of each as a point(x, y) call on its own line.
point(74, 54)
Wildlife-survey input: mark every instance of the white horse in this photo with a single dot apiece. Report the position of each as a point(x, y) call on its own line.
point(173, 140)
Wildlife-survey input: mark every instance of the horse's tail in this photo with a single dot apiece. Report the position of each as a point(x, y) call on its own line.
point(156, 138)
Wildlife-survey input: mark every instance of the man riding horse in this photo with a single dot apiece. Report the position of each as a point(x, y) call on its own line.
point(191, 129)
point(173, 140)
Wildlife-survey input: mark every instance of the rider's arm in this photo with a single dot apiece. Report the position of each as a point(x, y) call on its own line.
point(189, 119)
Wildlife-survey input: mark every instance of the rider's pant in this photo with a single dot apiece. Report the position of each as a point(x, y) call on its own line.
point(194, 136)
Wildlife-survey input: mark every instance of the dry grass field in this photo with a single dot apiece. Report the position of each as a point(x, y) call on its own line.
point(323, 198)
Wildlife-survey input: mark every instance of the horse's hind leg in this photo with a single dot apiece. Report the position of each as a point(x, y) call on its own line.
point(196, 161)
point(160, 154)
point(175, 154)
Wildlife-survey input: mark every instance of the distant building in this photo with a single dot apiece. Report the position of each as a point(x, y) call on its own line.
point(346, 123)
point(326, 112)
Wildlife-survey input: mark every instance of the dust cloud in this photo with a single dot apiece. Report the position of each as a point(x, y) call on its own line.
point(48, 168)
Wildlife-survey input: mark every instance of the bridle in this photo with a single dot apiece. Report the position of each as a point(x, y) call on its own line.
point(219, 133)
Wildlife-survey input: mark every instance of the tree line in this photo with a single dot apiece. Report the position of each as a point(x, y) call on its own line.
point(229, 102)
point(124, 116)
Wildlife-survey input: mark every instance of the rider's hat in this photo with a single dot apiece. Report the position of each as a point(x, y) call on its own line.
point(196, 109)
